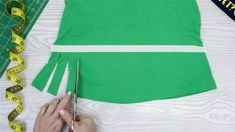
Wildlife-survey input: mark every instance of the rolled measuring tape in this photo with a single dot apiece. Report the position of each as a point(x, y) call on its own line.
point(16, 8)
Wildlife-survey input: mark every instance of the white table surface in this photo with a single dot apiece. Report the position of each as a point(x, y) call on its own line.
point(212, 111)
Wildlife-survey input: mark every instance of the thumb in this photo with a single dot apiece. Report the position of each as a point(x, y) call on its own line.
point(66, 117)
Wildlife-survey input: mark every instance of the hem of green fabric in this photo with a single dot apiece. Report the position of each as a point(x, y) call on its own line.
point(195, 92)
point(191, 93)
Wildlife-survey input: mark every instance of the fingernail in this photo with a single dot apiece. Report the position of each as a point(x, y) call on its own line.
point(69, 93)
point(61, 112)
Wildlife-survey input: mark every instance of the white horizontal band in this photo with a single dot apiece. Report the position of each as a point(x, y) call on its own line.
point(127, 48)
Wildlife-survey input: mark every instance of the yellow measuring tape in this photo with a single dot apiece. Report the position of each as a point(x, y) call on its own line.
point(16, 8)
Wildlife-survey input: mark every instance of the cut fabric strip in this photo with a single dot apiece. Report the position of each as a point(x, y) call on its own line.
point(57, 77)
point(43, 76)
point(71, 76)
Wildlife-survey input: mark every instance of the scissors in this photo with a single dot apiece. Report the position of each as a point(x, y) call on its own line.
point(75, 98)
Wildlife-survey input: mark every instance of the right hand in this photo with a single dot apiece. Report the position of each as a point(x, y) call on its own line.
point(85, 124)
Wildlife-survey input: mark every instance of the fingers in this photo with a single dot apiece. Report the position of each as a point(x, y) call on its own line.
point(43, 109)
point(66, 116)
point(58, 125)
point(52, 106)
point(68, 106)
point(48, 118)
point(63, 103)
point(86, 119)
point(39, 116)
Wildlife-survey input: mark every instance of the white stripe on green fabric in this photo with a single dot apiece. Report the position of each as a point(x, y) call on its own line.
point(127, 48)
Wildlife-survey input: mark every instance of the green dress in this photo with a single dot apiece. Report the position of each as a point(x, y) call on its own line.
point(129, 51)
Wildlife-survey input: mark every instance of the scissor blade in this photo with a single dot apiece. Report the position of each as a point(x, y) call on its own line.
point(76, 84)
point(75, 92)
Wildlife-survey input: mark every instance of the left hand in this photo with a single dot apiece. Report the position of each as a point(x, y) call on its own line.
point(48, 119)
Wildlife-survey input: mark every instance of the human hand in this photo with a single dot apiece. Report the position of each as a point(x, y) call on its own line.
point(84, 124)
point(48, 119)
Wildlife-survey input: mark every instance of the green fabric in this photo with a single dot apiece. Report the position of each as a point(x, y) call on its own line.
point(129, 77)
point(43, 76)
point(59, 72)
point(135, 77)
point(130, 22)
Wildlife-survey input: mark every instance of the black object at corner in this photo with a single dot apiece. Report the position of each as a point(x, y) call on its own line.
point(228, 6)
